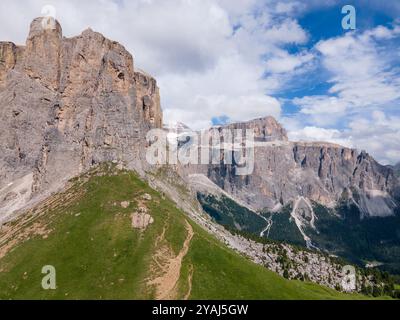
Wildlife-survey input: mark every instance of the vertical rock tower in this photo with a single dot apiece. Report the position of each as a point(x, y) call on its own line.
point(67, 104)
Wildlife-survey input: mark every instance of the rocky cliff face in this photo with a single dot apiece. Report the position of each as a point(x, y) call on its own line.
point(322, 172)
point(65, 105)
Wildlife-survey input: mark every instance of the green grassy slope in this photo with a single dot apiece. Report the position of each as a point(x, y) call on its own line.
point(98, 255)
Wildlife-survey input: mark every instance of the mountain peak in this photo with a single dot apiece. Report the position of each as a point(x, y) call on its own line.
point(266, 128)
point(45, 25)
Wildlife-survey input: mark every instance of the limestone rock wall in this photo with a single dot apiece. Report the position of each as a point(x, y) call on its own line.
point(67, 104)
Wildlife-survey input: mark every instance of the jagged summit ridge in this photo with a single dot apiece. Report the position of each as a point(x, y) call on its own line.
point(41, 26)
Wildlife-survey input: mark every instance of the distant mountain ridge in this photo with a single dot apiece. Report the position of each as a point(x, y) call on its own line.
point(319, 171)
point(316, 194)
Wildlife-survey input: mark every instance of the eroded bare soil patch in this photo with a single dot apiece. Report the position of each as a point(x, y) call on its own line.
point(167, 267)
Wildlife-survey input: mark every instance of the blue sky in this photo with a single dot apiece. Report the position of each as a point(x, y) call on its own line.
point(218, 61)
point(324, 23)
point(346, 89)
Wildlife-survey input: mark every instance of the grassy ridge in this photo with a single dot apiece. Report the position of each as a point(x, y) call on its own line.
point(98, 255)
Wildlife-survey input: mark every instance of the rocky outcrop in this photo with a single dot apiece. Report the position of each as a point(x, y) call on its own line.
point(148, 98)
point(8, 58)
point(265, 129)
point(67, 104)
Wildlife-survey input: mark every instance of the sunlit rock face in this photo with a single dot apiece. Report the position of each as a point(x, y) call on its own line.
point(67, 104)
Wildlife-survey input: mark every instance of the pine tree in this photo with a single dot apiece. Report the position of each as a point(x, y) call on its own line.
point(286, 273)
